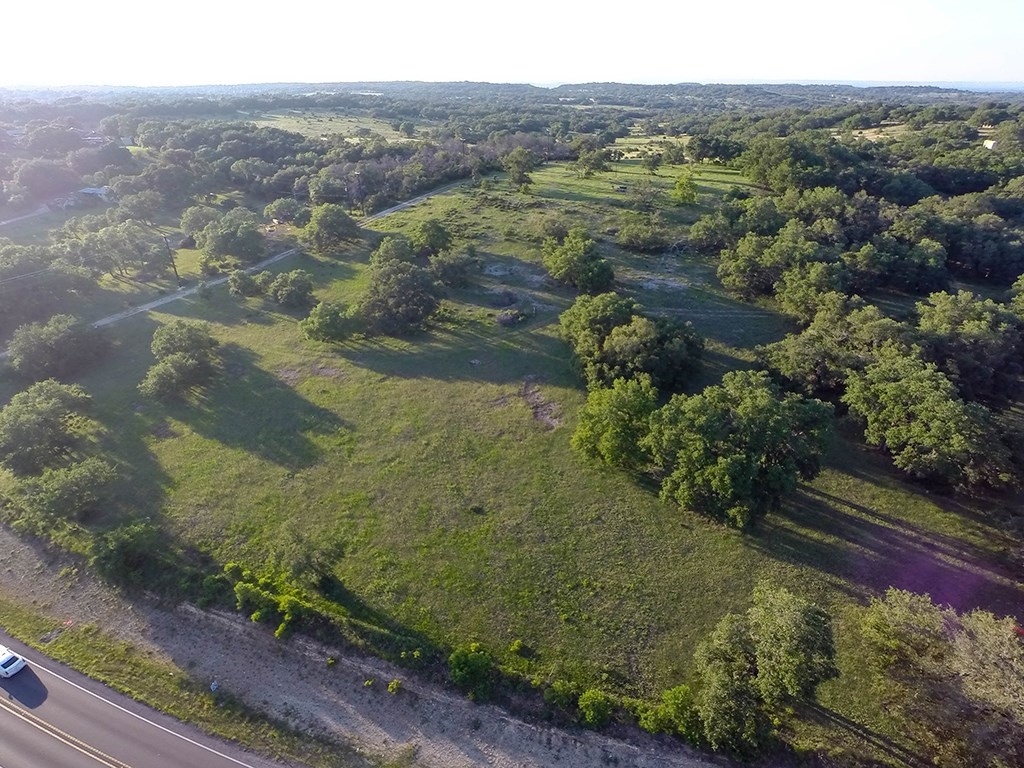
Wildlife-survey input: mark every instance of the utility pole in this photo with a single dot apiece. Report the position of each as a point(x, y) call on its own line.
point(170, 258)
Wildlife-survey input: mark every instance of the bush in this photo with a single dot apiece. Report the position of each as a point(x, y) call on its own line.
point(327, 322)
point(59, 347)
point(126, 554)
point(68, 492)
point(596, 707)
point(172, 376)
point(292, 289)
point(471, 668)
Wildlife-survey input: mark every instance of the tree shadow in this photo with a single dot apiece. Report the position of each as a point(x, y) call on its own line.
point(259, 413)
point(866, 549)
point(470, 352)
point(825, 716)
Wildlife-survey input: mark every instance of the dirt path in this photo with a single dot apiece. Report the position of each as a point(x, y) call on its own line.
point(37, 212)
point(185, 292)
point(429, 725)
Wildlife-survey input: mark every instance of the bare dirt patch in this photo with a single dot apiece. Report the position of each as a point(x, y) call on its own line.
point(544, 411)
point(163, 431)
point(328, 371)
point(290, 376)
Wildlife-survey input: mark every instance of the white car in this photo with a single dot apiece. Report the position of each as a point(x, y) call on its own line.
point(10, 662)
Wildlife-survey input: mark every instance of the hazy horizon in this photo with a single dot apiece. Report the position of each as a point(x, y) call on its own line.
point(789, 41)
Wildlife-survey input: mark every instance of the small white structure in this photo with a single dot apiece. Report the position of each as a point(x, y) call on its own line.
point(101, 193)
point(989, 144)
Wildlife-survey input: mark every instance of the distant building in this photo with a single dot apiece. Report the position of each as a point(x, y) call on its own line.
point(989, 143)
point(99, 193)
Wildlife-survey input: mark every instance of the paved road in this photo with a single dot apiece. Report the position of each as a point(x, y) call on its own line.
point(53, 717)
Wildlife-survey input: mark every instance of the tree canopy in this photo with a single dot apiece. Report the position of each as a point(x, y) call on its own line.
point(56, 348)
point(41, 425)
point(735, 450)
point(329, 227)
point(913, 409)
point(576, 262)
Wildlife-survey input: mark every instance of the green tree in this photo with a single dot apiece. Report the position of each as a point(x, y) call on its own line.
point(838, 340)
point(727, 702)
point(912, 408)
point(40, 426)
point(56, 348)
point(292, 289)
point(184, 336)
point(801, 289)
point(684, 191)
point(667, 350)
point(236, 233)
point(185, 359)
point(734, 451)
point(793, 646)
point(196, 218)
point(575, 262)
point(614, 421)
point(392, 248)
point(430, 237)
point(517, 164)
point(586, 324)
point(752, 668)
point(327, 322)
point(142, 206)
point(173, 375)
point(974, 341)
point(289, 210)
point(400, 297)
point(954, 682)
point(330, 227)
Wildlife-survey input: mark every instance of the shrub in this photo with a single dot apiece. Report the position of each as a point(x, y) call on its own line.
point(241, 283)
point(172, 377)
point(596, 707)
point(470, 667)
point(327, 322)
point(292, 289)
point(126, 554)
point(56, 348)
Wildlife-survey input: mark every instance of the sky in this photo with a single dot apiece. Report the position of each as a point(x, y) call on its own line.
point(545, 42)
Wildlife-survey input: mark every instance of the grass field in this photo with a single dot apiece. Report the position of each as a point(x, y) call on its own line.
point(435, 472)
point(316, 123)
